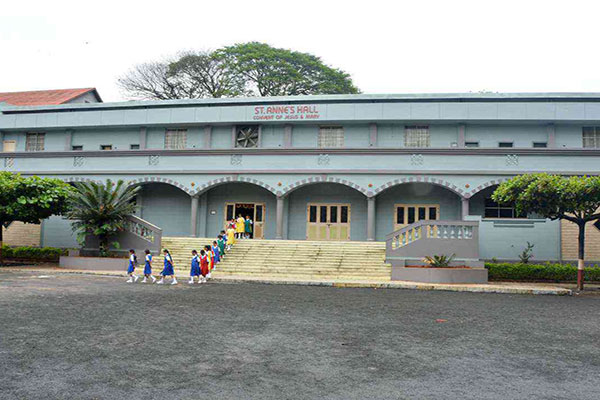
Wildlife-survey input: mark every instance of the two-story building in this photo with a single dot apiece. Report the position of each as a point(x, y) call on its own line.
point(337, 167)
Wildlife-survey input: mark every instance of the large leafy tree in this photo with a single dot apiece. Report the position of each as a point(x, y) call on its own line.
point(248, 69)
point(101, 210)
point(30, 199)
point(575, 199)
point(273, 71)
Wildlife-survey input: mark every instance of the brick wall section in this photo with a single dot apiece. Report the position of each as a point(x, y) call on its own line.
point(20, 234)
point(569, 234)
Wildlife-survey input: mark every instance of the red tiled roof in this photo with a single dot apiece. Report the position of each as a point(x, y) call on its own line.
point(44, 97)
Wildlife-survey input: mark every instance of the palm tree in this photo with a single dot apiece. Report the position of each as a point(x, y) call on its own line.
point(101, 209)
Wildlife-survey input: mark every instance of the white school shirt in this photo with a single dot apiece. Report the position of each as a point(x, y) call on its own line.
point(148, 257)
point(169, 259)
point(132, 258)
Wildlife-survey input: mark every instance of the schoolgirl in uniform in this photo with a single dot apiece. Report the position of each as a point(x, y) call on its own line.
point(168, 269)
point(203, 266)
point(240, 228)
point(195, 269)
point(221, 244)
point(211, 260)
point(215, 250)
point(148, 267)
point(131, 268)
point(230, 236)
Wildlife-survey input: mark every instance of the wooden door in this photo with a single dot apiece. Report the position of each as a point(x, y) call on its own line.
point(259, 220)
point(327, 221)
point(406, 214)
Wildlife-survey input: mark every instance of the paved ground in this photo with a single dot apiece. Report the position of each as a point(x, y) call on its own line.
point(76, 336)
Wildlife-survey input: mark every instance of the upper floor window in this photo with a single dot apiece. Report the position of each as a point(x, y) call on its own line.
point(175, 139)
point(416, 136)
point(77, 147)
point(9, 146)
point(471, 144)
point(247, 136)
point(495, 210)
point(331, 137)
point(134, 146)
point(34, 141)
point(106, 147)
point(540, 145)
point(591, 137)
point(505, 144)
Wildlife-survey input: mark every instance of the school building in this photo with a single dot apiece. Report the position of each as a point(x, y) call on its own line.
point(335, 167)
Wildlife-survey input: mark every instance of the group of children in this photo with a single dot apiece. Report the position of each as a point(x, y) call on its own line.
point(202, 264)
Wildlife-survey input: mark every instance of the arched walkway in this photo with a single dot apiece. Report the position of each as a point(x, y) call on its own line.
point(319, 179)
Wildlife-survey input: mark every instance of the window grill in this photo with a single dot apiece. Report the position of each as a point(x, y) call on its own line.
point(34, 142)
point(417, 136)
point(591, 137)
point(331, 137)
point(175, 139)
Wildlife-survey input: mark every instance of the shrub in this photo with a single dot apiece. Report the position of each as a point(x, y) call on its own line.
point(439, 261)
point(540, 272)
point(33, 253)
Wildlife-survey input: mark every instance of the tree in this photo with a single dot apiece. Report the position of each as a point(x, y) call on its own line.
point(30, 199)
point(249, 69)
point(280, 72)
point(575, 199)
point(101, 209)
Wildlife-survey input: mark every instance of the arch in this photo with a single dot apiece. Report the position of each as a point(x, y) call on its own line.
point(156, 179)
point(321, 179)
point(420, 179)
point(485, 185)
point(232, 179)
point(72, 179)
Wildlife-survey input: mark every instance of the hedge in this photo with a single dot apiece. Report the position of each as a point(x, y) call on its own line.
point(33, 253)
point(540, 272)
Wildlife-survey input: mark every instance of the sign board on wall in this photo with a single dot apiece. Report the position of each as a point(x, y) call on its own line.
point(286, 112)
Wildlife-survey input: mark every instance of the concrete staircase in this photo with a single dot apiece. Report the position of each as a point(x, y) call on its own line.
point(298, 259)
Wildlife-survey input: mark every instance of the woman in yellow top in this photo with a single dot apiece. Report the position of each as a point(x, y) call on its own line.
point(240, 227)
point(230, 236)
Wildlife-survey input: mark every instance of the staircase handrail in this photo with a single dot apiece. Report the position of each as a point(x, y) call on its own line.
point(142, 228)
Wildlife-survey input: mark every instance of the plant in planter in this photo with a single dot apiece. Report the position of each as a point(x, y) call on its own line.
point(526, 254)
point(439, 261)
point(101, 210)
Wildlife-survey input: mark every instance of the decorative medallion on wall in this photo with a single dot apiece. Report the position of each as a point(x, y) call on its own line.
point(78, 161)
point(512, 159)
point(236, 159)
point(416, 159)
point(153, 160)
point(9, 162)
point(323, 159)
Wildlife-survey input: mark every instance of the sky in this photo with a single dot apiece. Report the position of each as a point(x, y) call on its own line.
point(423, 46)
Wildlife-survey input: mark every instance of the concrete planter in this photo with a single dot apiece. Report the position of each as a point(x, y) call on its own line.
point(440, 275)
point(94, 263)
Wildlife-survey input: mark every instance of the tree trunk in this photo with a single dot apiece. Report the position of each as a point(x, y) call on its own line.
point(581, 255)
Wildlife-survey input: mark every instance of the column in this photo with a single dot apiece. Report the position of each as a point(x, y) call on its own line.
point(280, 204)
point(68, 139)
point(207, 137)
point(287, 136)
point(143, 138)
point(461, 135)
point(371, 218)
point(465, 207)
point(373, 135)
point(551, 130)
point(194, 217)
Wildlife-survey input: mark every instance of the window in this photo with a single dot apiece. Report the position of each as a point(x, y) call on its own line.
point(134, 146)
point(505, 144)
point(247, 136)
point(9, 146)
point(331, 137)
point(34, 142)
point(495, 210)
point(471, 144)
point(106, 147)
point(416, 136)
point(77, 148)
point(175, 139)
point(591, 137)
point(540, 145)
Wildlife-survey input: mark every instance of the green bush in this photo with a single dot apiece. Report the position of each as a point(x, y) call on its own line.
point(33, 253)
point(540, 272)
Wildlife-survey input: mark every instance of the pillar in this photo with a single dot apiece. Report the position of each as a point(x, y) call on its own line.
point(465, 207)
point(371, 218)
point(373, 135)
point(194, 217)
point(207, 137)
point(143, 138)
point(461, 135)
point(68, 139)
point(279, 213)
point(287, 136)
point(551, 130)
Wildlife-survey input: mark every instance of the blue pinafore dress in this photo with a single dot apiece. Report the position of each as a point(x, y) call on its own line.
point(132, 262)
point(195, 270)
point(215, 250)
point(147, 266)
point(168, 269)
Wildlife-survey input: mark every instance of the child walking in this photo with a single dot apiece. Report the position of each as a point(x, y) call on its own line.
point(211, 260)
point(215, 250)
point(195, 269)
point(168, 269)
point(148, 267)
point(131, 268)
point(203, 266)
point(230, 236)
point(221, 244)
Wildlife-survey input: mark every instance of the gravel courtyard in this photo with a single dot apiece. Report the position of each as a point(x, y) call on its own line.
point(89, 337)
